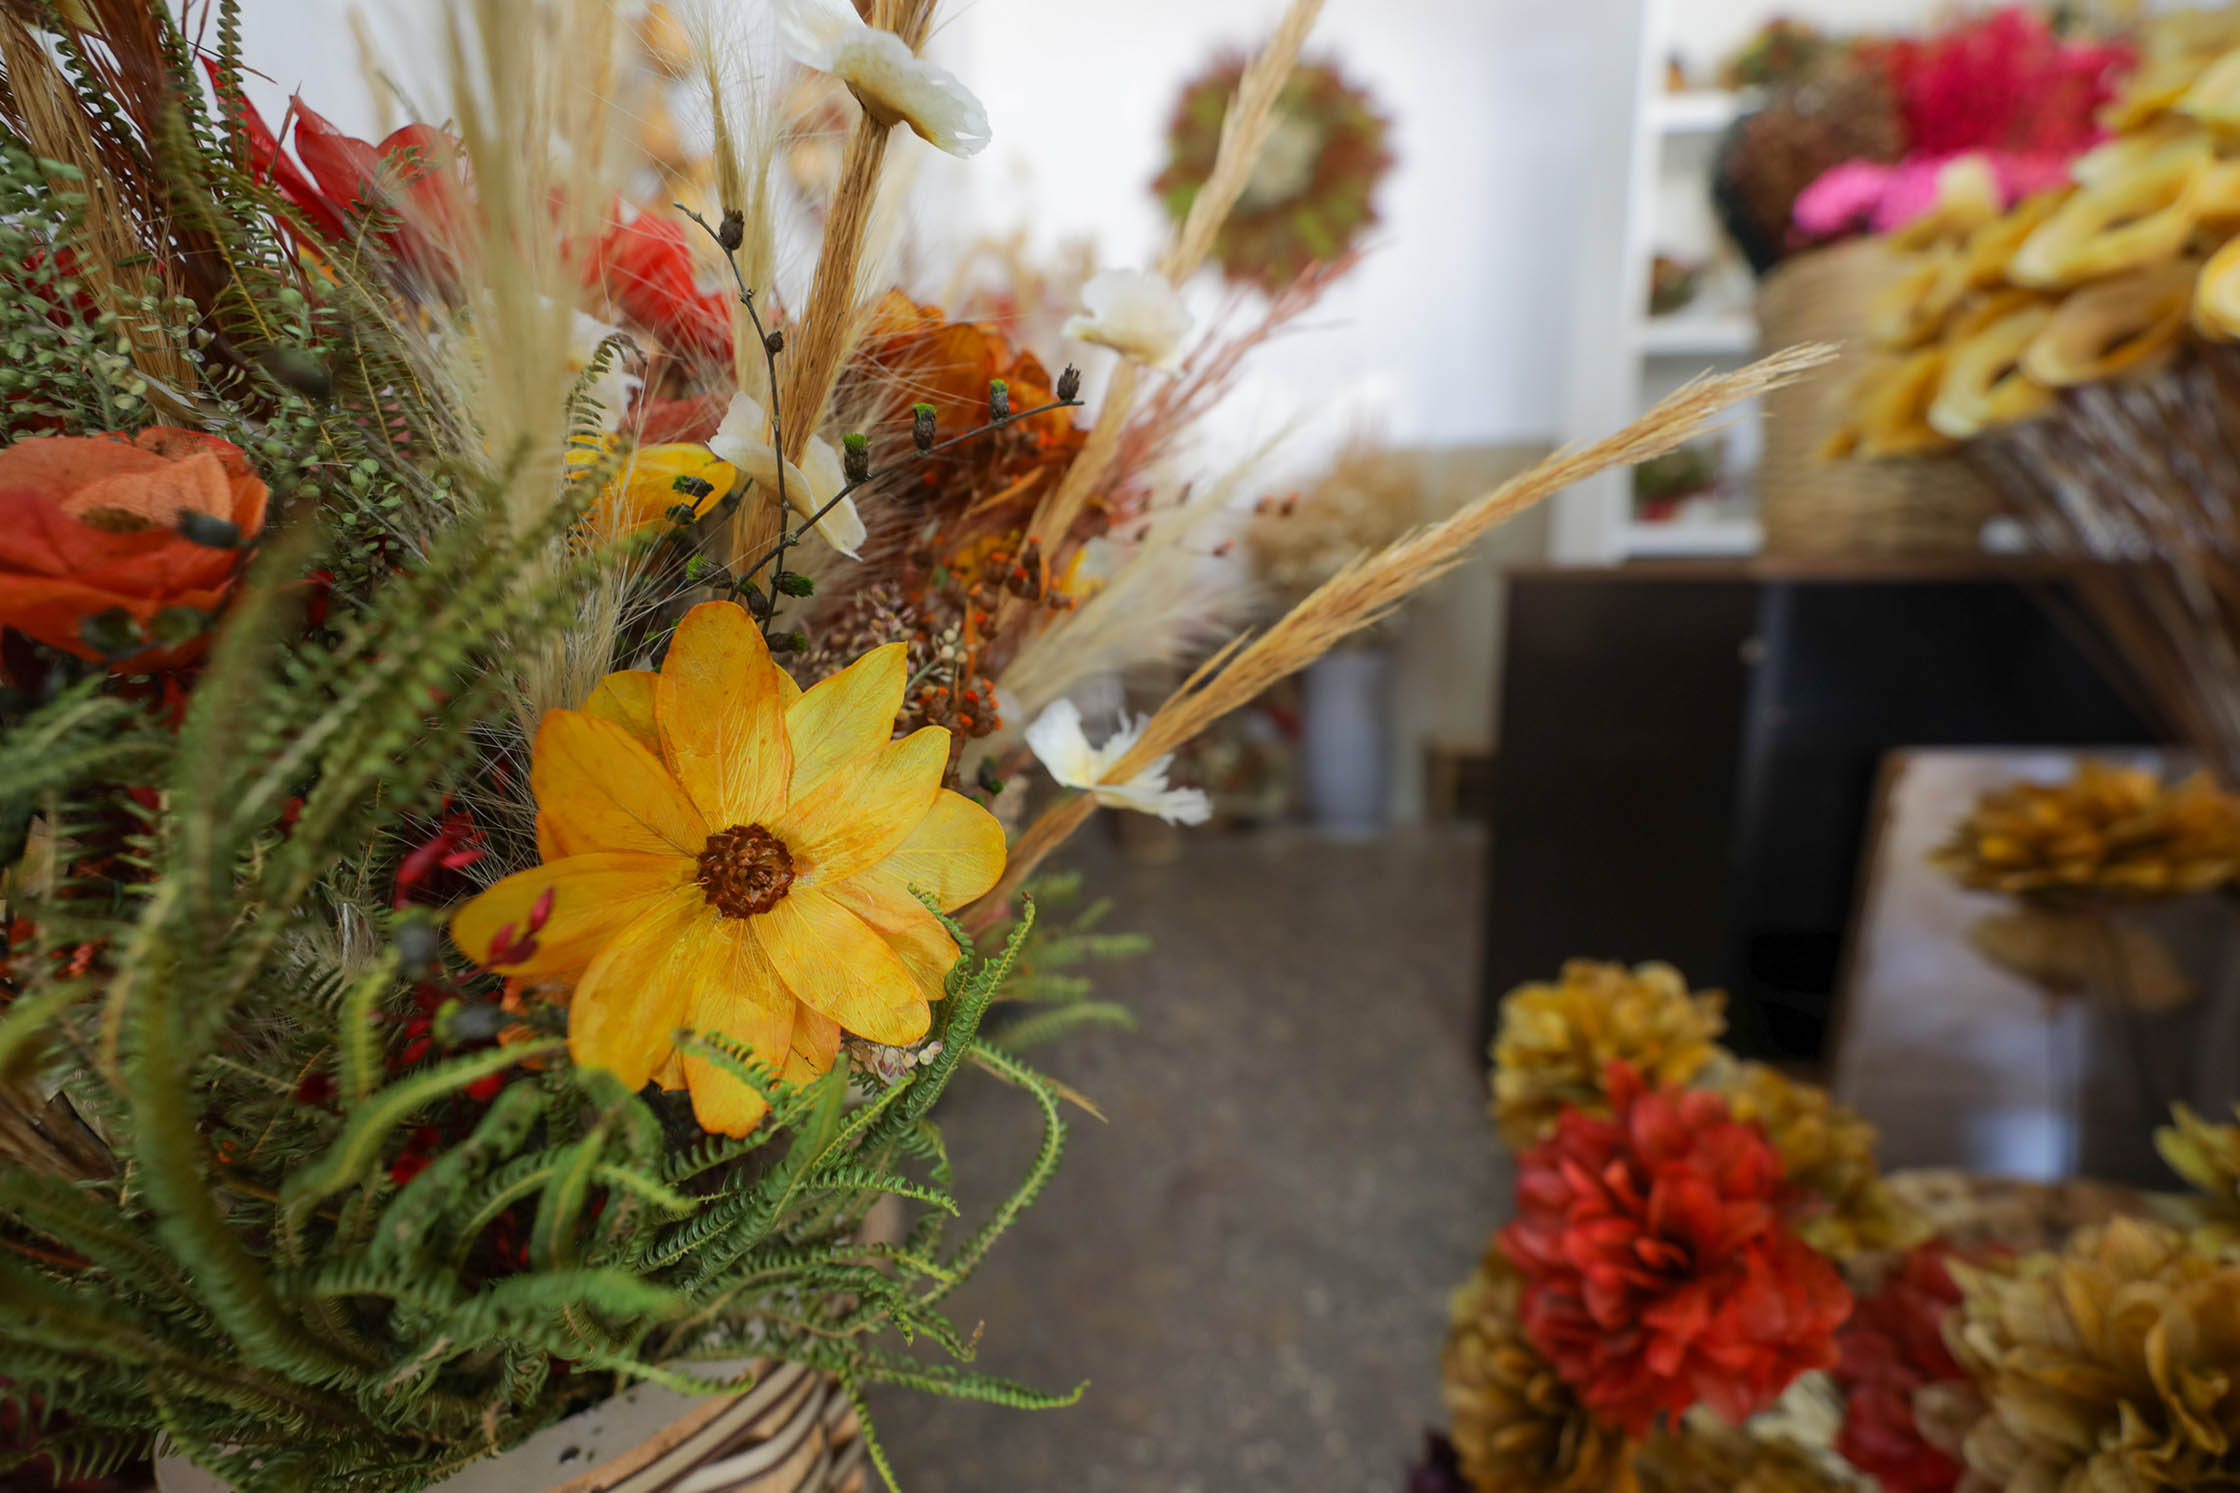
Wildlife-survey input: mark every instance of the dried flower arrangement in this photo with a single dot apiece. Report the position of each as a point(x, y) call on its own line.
point(1862, 134)
point(1707, 1285)
point(511, 724)
point(2078, 856)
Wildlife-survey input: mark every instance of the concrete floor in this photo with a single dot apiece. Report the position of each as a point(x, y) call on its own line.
point(1250, 1262)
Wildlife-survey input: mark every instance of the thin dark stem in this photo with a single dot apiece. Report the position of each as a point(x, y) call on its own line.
point(789, 536)
point(786, 536)
point(876, 478)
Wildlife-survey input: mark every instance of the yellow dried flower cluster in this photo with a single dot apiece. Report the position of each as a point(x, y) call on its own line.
point(1556, 1039)
point(2208, 1157)
point(1829, 1149)
point(2108, 1366)
point(1707, 1456)
point(1518, 1427)
point(2110, 829)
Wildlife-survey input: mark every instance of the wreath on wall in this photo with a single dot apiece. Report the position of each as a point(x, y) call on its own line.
point(1312, 192)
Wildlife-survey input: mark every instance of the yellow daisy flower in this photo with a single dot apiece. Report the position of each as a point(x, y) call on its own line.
point(729, 854)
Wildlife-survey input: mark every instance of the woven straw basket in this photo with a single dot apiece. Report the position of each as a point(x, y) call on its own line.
point(794, 1432)
point(1812, 506)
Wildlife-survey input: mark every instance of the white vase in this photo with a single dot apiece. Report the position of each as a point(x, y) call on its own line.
point(1347, 737)
point(794, 1432)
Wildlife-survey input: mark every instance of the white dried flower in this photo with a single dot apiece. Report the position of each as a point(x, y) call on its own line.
point(743, 439)
point(894, 84)
point(1135, 312)
point(1058, 739)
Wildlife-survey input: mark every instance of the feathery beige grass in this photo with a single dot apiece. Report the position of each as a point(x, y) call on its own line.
point(1372, 586)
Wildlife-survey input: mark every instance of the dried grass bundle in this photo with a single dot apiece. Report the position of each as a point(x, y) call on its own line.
point(1368, 589)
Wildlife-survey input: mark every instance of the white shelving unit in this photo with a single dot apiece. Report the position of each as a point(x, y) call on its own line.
point(1648, 191)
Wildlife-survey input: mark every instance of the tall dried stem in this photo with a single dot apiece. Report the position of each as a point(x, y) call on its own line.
point(1370, 587)
point(1244, 132)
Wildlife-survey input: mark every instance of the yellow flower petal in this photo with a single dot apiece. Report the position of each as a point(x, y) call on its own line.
point(594, 897)
point(856, 819)
point(670, 1075)
point(626, 698)
point(739, 997)
point(548, 844)
point(598, 790)
point(954, 855)
point(629, 1004)
point(922, 944)
point(816, 1043)
point(834, 962)
point(721, 707)
point(847, 716)
point(643, 495)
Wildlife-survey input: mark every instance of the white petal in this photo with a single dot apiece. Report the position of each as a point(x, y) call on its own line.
point(842, 528)
point(1175, 805)
point(897, 85)
point(744, 428)
point(1057, 739)
point(815, 32)
point(1133, 312)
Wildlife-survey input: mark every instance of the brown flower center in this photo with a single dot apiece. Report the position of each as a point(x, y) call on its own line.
point(745, 870)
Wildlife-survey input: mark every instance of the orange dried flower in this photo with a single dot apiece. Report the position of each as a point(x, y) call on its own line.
point(91, 525)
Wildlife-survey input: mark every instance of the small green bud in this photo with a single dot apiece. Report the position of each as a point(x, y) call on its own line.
point(999, 400)
point(794, 583)
point(855, 456)
point(921, 426)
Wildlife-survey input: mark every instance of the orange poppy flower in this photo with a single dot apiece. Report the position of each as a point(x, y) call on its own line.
point(725, 853)
point(90, 524)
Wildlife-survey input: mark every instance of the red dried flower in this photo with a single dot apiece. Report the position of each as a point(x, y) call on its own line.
point(411, 185)
point(1892, 1346)
point(645, 267)
point(1659, 1272)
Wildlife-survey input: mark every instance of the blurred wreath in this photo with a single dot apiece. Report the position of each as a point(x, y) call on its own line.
point(1311, 193)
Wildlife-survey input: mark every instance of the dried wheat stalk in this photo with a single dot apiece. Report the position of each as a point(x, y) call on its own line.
point(1244, 132)
point(1369, 588)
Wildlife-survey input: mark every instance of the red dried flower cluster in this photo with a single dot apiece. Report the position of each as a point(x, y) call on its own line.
point(1659, 1273)
point(1893, 1346)
point(2003, 81)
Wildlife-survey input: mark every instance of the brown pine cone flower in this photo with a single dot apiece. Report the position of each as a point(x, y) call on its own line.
point(2110, 1367)
point(1826, 1149)
point(1518, 1427)
point(2110, 830)
point(1556, 1040)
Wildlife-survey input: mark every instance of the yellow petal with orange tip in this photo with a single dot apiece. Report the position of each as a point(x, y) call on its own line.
point(598, 790)
point(955, 855)
point(740, 998)
point(816, 1041)
point(931, 954)
point(2214, 96)
point(856, 819)
point(721, 709)
point(594, 899)
point(1893, 408)
point(846, 717)
point(2127, 326)
point(630, 1003)
point(670, 1075)
point(626, 698)
point(835, 962)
